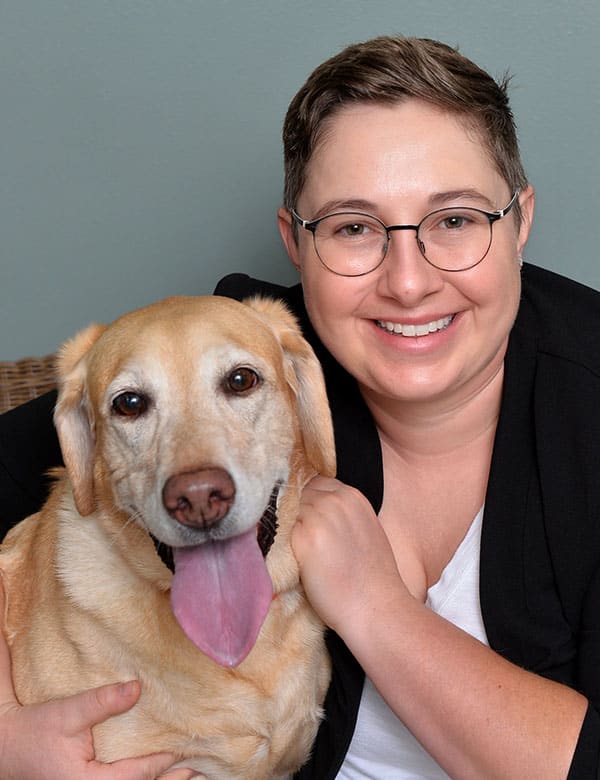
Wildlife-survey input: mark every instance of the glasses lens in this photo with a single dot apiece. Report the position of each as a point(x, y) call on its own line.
point(455, 239)
point(350, 244)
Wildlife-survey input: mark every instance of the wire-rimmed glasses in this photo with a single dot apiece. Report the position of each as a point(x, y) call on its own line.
point(351, 243)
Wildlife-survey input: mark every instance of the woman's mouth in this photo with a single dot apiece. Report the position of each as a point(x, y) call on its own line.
point(411, 330)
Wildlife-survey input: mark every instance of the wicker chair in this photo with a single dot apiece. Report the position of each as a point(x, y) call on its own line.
point(22, 380)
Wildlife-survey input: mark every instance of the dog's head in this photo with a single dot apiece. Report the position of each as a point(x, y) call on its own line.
point(188, 416)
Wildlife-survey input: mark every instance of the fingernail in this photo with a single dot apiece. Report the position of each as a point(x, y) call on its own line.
point(126, 689)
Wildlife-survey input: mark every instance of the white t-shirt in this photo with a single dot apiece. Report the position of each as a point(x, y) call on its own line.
point(382, 748)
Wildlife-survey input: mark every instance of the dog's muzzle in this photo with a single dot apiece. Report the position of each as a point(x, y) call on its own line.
point(267, 530)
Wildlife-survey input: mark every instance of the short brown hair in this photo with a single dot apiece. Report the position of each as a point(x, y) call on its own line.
point(388, 70)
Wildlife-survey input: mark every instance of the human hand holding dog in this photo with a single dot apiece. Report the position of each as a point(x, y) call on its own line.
point(53, 741)
point(347, 566)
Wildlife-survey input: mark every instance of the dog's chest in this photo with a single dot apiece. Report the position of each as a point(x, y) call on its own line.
point(262, 715)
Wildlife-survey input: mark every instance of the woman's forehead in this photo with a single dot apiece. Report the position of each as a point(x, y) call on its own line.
point(374, 151)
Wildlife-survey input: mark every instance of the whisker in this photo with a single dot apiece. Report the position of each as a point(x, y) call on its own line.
point(134, 518)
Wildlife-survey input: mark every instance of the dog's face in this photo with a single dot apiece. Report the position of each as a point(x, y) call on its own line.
point(186, 416)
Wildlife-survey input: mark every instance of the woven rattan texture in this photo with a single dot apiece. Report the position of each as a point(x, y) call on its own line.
point(22, 380)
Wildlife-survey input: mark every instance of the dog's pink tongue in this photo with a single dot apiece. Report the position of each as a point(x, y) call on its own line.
point(220, 595)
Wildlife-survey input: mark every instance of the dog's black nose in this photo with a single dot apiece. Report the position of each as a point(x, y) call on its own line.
point(199, 498)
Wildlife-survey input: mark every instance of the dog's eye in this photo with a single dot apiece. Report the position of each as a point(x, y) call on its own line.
point(242, 379)
point(130, 404)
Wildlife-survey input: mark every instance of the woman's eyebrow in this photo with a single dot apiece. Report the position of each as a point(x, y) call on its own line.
point(435, 200)
point(344, 204)
point(448, 197)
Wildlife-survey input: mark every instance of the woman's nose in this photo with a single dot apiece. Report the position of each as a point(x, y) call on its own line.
point(405, 274)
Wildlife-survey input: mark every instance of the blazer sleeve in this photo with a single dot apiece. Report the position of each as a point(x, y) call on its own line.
point(240, 286)
point(586, 760)
point(28, 449)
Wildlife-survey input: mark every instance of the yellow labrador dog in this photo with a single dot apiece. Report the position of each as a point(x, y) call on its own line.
point(188, 430)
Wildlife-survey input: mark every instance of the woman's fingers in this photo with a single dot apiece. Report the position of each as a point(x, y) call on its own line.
point(84, 710)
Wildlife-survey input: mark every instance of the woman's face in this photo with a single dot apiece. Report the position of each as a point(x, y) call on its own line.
point(399, 163)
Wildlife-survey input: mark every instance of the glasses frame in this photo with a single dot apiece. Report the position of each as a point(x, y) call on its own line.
point(492, 216)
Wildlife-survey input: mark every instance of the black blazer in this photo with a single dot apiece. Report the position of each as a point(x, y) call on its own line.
point(540, 549)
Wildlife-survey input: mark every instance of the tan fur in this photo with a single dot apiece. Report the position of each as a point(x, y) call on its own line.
point(87, 595)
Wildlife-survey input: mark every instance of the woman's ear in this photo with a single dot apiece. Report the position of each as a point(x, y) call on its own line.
point(527, 206)
point(288, 235)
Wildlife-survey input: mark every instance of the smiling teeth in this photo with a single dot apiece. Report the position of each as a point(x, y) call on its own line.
point(416, 330)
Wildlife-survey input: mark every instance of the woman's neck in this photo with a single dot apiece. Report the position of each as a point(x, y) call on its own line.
point(438, 427)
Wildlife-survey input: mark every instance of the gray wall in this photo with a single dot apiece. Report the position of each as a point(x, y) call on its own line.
point(140, 153)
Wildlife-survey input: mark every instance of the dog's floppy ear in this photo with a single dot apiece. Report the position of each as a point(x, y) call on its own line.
point(306, 380)
point(72, 416)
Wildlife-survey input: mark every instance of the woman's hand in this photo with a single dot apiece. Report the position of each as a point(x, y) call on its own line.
point(53, 741)
point(346, 562)
point(440, 681)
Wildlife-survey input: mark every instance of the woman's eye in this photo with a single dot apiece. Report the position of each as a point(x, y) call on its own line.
point(242, 379)
point(455, 221)
point(130, 404)
point(355, 229)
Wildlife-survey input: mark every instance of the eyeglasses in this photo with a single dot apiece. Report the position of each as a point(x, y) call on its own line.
point(350, 243)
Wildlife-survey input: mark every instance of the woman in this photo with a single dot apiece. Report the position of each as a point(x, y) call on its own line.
point(454, 558)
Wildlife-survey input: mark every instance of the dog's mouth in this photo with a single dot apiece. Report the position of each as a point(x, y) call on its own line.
point(221, 590)
point(265, 535)
point(267, 525)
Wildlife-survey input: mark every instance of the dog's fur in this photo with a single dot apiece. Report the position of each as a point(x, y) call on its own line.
point(88, 596)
